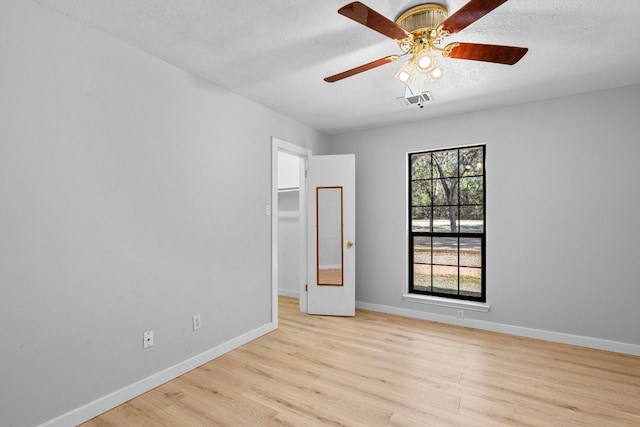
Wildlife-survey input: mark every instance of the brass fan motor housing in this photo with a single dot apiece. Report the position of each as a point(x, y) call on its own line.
point(422, 22)
point(422, 17)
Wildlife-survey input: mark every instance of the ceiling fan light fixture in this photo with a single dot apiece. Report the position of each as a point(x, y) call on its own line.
point(419, 32)
point(405, 74)
point(424, 23)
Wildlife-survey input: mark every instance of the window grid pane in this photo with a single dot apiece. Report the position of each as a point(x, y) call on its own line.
point(446, 205)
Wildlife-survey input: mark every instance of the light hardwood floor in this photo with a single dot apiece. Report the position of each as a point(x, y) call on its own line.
point(383, 370)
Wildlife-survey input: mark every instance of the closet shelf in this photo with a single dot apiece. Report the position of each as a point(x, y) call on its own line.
point(288, 190)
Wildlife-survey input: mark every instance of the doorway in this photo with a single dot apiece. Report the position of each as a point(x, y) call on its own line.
point(288, 223)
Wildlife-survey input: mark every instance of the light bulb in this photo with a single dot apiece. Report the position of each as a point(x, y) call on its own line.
point(425, 61)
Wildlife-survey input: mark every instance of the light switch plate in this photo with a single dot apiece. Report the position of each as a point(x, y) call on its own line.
point(197, 322)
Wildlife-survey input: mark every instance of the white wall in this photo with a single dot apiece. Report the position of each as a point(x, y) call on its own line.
point(562, 214)
point(288, 171)
point(132, 196)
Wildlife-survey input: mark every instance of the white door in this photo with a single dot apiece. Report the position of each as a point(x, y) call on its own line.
point(331, 227)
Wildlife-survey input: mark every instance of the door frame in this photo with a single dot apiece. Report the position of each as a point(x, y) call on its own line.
point(278, 145)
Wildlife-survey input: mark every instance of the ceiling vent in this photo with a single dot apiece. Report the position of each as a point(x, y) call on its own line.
point(418, 99)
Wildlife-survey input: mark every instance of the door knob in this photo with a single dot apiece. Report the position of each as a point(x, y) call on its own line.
point(349, 243)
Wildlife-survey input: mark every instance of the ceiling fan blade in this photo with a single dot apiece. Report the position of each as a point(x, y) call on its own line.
point(508, 55)
point(368, 17)
point(360, 69)
point(469, 13)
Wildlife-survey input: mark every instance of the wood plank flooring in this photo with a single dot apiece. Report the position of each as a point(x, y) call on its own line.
point(383, 370)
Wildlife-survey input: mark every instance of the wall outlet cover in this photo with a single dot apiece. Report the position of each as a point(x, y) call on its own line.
point(147, 339)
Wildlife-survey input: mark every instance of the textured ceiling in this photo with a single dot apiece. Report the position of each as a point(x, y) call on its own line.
point(277, 53)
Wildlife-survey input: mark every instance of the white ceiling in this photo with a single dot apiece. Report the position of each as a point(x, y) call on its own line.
point(277, 53)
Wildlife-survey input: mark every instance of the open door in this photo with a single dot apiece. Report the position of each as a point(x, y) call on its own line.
point(331, 232)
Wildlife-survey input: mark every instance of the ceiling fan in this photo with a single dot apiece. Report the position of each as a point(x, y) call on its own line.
point(419, 32)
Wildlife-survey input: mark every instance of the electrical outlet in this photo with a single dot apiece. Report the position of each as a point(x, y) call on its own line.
point(460, 314)
point(197, 322)
point(147, 339)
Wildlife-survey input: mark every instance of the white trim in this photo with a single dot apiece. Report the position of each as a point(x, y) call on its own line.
point(275, 143)
point(447, 302)
point(577, 340)
point(303, 224)
point(118, 397)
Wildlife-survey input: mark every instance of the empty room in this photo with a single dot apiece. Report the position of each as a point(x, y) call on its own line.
point(312, 213)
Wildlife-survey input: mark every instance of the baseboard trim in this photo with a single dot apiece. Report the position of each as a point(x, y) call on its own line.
point(288, 293)
point(105, 403)
point(578, 340)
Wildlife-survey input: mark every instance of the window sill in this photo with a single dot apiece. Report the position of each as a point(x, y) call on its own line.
point(446, 302)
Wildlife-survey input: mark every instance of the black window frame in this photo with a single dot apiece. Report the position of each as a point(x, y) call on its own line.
point(457, 235)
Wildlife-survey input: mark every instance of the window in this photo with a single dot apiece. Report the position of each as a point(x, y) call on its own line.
point(447, 223)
